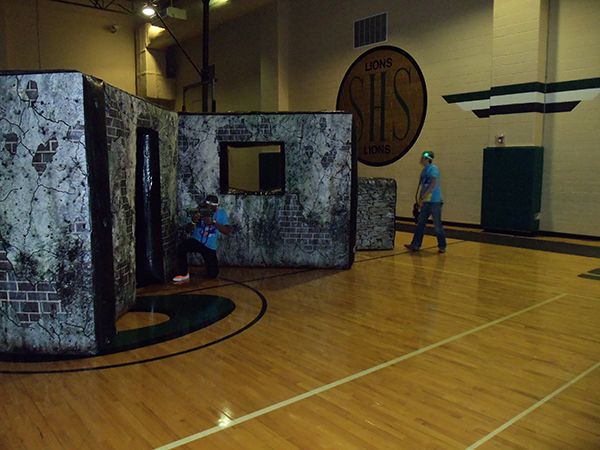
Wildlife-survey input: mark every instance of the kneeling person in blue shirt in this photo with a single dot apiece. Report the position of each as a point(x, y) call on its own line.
point(205, 234)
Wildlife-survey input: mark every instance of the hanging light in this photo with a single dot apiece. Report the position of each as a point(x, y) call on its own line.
point(149, 9)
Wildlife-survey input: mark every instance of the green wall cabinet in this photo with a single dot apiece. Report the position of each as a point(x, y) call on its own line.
point(512, 188)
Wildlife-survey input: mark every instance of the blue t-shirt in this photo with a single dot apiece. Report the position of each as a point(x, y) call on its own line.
point(427, 175)
point(208, 234)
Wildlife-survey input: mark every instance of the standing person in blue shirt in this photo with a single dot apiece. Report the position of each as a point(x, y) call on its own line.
point(205, 228)
point(430, 202)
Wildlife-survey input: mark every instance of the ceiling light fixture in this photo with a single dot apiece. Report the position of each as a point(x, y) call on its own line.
point(149, 10)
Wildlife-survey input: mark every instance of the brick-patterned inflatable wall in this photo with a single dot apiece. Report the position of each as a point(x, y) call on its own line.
point(311, 223)
point(376, 214)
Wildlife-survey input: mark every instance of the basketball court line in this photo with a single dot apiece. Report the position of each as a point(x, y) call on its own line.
point(533, 407)
point(231, 282)
point(406, 252)
point(326, 387)
point(256, 319)
point(511, 240)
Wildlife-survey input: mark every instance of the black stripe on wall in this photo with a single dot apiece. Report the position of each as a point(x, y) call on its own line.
point(561, 86)
point(516, 108)
point(521, 88)
point(525, 108)
point(482, 113)
point(468, 97)
point(561, 107)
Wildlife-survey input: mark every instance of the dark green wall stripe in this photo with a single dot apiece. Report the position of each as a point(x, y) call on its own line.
point(589, 83)
point(468, 97)
point(561, 107)
point(516, 108)
point(518, 88)
point(562, 86)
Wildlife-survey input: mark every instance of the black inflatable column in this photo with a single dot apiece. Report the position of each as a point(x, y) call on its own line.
point(148, 224)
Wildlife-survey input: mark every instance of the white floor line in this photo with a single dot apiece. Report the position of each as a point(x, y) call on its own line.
point(347, 379)
point(533, 407)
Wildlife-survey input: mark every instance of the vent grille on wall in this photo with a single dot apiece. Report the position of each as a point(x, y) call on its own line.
point(370, 30)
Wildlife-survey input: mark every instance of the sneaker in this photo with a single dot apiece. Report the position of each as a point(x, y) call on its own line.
point(180, 278)
point(442, 250)
point(411, 248)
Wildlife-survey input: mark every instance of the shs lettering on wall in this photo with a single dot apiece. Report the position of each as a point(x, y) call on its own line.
point(385, 91)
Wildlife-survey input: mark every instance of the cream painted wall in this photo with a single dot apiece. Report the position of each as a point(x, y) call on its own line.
point(69, 37)
point(520, 35)
point(292, 55)
point(3, 55)
point(21, 35)
point(451, 42)
point(269, 63)
point(571, 184)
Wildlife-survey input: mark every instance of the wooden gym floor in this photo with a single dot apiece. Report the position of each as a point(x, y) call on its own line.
point(485, 346)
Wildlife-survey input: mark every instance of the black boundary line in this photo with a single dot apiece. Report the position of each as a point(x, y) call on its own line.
point(310, 269)
point(233, 282)
point(477, 226)
point(155, 339)
point(260, 113)
point(409, 252)
point(512, 240)
point(230, 282)
point(262, 312)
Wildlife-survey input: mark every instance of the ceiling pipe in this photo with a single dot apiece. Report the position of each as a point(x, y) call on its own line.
point(207, 75)
point(186, 54)
point(200, 72)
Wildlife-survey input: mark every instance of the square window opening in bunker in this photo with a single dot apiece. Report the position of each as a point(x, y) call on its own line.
point(252, 168)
